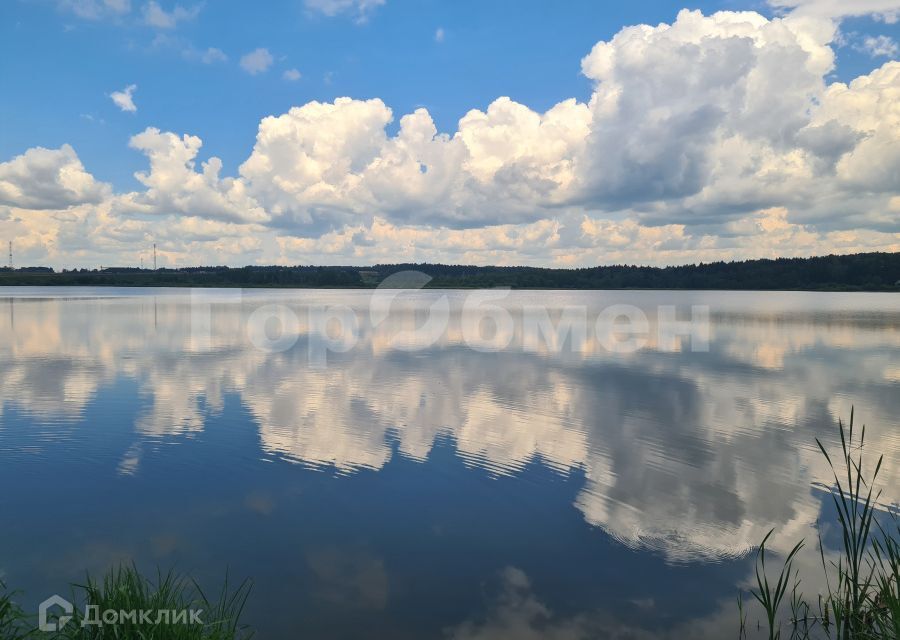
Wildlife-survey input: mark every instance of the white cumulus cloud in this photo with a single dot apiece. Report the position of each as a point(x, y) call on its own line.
point(885, 9)
point(174, 186)
point(96, 9)
point(715, 136)
point(124, 99)
point(879, 46)
point(360, 8)
point(212, 55)
point(48, 179)
point(257, 61)
point(156, 16)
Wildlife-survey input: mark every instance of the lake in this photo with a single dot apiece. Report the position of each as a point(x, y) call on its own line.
point(422, 465)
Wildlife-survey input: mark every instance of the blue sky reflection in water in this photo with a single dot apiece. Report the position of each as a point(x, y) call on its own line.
point(439, 492)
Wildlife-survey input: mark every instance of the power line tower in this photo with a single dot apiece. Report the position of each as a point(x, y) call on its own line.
point(154, 256)
point(10, 256)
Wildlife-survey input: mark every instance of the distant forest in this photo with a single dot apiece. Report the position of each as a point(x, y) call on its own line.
point(859, 272)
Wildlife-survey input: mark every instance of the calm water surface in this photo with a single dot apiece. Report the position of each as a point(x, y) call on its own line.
point(404, 490)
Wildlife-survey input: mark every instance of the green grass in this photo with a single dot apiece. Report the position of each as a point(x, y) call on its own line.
point(124, 589)
point(14, 624)
point(862, 596)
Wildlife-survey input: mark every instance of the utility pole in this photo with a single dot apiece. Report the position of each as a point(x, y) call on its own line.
point(154, 256)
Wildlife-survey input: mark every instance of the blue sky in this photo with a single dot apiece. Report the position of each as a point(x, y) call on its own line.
point(530, 54)
point(63, 60)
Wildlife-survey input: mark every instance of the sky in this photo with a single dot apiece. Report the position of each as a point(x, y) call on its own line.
point(479, 132)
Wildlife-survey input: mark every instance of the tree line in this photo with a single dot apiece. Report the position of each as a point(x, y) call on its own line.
point(857, 272)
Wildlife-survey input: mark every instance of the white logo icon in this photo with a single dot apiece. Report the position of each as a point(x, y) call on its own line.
point(61, 621)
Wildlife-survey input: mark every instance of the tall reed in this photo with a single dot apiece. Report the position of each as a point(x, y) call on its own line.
point(14, 624)
point(862, 595)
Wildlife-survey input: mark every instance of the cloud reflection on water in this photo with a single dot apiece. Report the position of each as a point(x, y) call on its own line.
point(695, 455)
